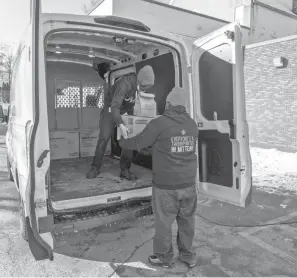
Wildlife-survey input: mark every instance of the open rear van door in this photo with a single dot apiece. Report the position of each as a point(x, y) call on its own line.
point(225, 170)
point(38, 221)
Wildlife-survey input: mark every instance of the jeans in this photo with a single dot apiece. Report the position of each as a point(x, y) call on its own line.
point(106, 126)
point(170, 205)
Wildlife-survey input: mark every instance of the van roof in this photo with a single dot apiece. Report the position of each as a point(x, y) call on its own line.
point(111, 21)
point(90, 21)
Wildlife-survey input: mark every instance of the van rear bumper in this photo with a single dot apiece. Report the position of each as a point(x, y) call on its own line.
point(83, 221)
point(102, 200)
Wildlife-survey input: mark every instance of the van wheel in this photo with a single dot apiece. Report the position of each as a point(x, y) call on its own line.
point(10, 176)
point(23, 223)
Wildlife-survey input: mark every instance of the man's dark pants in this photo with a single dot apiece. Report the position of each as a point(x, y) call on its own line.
point(169, 205)
point(106, 126)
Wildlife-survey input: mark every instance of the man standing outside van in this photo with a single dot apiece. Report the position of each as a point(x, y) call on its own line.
point(173, 138)
point(118, 100)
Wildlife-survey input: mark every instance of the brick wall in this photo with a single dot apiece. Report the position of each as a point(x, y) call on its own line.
point(271, 93)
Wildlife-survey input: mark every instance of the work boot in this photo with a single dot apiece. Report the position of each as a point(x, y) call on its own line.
point(93, 173)
point(126, 174)
point(155, 261)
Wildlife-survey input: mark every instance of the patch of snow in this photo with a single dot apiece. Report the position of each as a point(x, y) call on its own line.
point(139, 264)
point(274, 170)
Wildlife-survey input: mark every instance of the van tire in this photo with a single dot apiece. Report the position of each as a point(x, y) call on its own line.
point(10, 176)
point(23, 223)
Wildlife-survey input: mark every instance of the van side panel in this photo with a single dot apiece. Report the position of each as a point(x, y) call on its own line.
point(21, 113)
point(39, 143)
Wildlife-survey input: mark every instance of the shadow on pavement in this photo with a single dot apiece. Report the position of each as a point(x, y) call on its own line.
point(8, 198)
point(219, 248)
point(129, 243)
point(126, 251)
point(12, 208)
point(138, 271)
point(4, 176)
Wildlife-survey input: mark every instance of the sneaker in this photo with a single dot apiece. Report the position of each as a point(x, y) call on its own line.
point(155, 261)
point(126, 174)
point(93, 173)
point(189, 264)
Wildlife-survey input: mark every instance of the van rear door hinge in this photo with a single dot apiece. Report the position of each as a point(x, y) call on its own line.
point(40, 203)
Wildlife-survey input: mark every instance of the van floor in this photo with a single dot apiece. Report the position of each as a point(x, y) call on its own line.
point(68, 178)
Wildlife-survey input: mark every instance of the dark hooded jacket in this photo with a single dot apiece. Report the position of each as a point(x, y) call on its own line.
point(121, 97)
point(173, 138)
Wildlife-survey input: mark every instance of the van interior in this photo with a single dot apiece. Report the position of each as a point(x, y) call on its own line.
point(73, 89)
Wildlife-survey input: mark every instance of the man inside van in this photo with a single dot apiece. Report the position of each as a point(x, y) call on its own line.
point(118, 100)
point(102, 70)
point(173, 138)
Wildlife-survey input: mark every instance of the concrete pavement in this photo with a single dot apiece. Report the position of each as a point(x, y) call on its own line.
point(123, 251)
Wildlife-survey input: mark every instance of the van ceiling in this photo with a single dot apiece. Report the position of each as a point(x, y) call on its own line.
point(77, 45)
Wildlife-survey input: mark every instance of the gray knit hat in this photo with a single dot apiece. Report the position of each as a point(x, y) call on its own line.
point(146, 78)
point(177, 96)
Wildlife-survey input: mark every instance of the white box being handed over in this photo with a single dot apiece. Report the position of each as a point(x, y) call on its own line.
point(135, 124)
point(145, 105)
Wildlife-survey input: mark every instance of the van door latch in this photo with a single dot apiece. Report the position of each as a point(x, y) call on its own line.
point(41, 158)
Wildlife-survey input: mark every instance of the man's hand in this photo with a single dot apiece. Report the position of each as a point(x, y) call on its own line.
point(124, 130)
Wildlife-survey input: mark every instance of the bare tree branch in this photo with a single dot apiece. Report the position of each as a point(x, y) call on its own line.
point(6, 66)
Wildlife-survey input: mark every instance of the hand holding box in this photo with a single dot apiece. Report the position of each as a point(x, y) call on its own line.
point(135, 125)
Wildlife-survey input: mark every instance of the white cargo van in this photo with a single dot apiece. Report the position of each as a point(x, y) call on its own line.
point(54, 120)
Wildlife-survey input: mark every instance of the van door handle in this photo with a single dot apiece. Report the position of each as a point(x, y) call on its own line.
point(41, 158)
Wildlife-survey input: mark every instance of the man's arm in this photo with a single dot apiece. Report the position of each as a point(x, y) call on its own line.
point(120, 90)
point(143, 140)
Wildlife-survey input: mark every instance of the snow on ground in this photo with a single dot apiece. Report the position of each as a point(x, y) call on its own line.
point(274, 170)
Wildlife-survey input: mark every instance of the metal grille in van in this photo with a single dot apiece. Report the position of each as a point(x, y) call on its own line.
point(68, 97)
point(90, 95)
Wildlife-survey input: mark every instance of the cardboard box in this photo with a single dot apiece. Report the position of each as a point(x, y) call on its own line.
point(64, 144)
point(88, 143)
point(149, 113)
point(136, 124)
